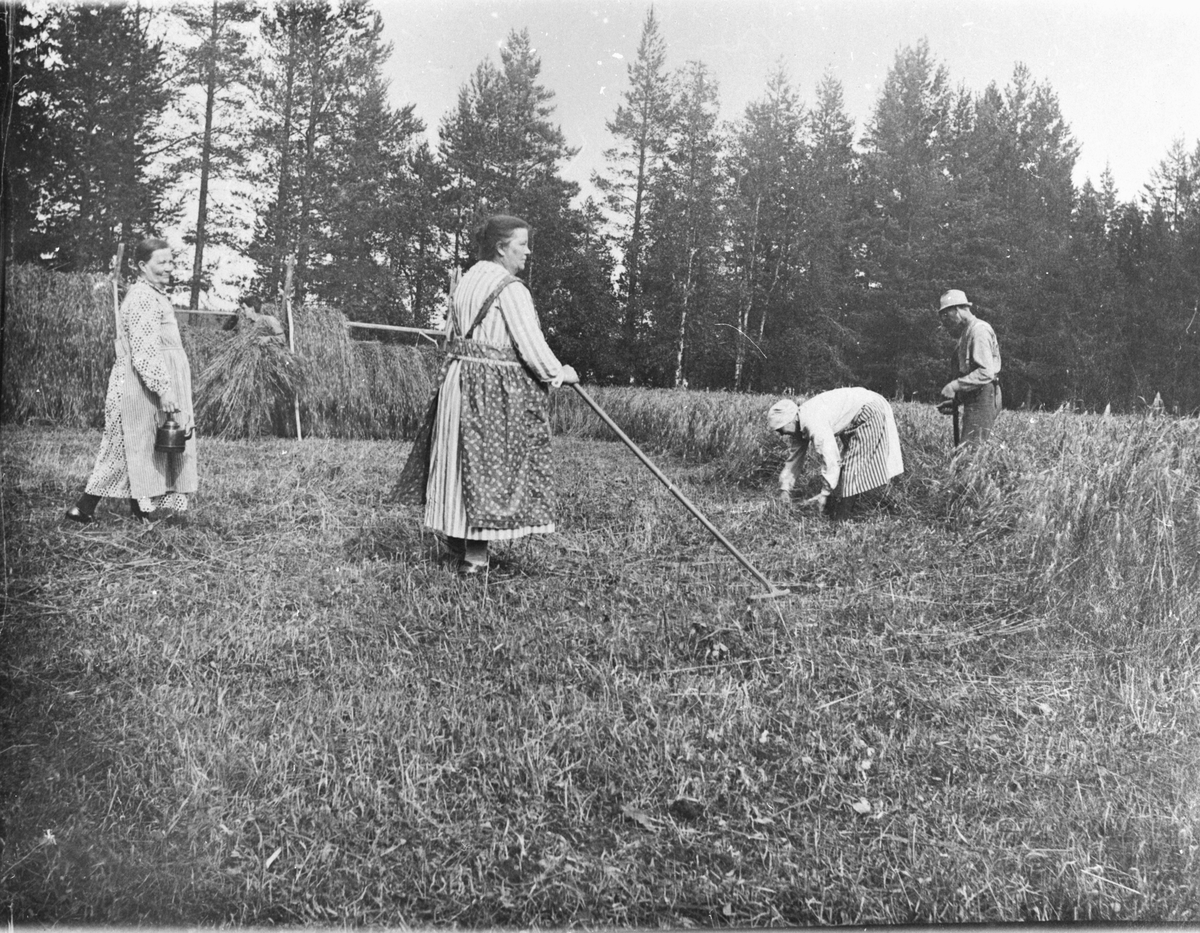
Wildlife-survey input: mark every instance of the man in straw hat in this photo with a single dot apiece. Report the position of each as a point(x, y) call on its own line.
point(977, 388)
point(854, 433)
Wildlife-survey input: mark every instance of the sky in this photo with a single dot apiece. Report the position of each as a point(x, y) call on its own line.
point(1127, 74)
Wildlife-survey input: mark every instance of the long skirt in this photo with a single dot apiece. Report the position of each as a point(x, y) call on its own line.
point(481, 466)
point(872, 454)
point(979, 412)
point(127, 465)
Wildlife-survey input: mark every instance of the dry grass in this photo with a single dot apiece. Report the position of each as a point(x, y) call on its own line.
point(58, 347)
point(292, 713)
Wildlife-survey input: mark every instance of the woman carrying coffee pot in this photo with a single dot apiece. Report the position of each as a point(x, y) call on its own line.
point(150, 382)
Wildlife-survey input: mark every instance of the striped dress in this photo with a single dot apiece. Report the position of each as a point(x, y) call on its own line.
point(854, 433)
point(489, 475)
point(150, 359)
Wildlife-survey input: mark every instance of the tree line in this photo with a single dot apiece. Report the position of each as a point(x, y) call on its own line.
point(781, 250)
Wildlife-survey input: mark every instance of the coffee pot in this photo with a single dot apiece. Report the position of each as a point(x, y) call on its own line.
point(170, 437)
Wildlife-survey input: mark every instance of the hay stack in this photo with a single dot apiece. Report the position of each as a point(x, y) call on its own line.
point(395, 385)
point(58, 347)
point(246, 387)
point(357, 390)
point(326, 358)
point(58, 351)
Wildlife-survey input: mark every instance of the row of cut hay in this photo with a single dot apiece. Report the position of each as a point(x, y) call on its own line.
point(725, 430)
point(1088, 517)
point(1103, 516)
point(58, 347)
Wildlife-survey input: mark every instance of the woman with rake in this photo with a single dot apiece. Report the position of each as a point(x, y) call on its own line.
point(481, 464)
point(150, 380)
point(854, 433)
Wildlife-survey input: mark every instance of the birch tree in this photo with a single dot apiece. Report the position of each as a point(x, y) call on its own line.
point(685, 232)
point(764, 166)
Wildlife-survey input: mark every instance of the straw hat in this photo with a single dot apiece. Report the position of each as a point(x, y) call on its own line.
point(953, 299)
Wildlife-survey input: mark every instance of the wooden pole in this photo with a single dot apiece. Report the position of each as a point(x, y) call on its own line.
point(287, 307)
point(426, 332)
point(773, 591)
point(117, 260)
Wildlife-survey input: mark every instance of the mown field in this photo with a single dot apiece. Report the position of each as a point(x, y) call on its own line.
point(981, 702)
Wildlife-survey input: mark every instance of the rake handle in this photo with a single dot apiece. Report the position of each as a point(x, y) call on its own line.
point(674, 490)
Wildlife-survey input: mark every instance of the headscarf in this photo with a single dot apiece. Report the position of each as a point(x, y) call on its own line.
point(782, 414)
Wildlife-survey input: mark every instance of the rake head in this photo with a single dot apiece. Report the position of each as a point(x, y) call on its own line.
point(774, 593)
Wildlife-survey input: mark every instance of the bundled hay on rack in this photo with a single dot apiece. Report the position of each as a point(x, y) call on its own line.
point(201, 345)
point(327, 360)
point(396, 386)
point(246, 387)
point(58, 351)
point(58, 346)
point(356, 390)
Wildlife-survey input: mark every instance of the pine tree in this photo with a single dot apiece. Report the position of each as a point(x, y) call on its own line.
point(216, 66)
point(502, 152)
point(1020, 218)
point(827, 186)
point(641, 125)
point(96, 76)
point(317, 54)
point(419, 240)
point(1167, 292)
point(905, 227)
point(500, 146)
point(366, 236)
point(1175, 184)
point(31, 154)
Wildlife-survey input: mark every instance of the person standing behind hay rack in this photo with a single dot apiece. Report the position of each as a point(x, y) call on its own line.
point(150, 380)
point(265, 326)
point(481, 463)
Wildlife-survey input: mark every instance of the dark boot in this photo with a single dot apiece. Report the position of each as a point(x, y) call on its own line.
point(84, 510)
point(475, 558)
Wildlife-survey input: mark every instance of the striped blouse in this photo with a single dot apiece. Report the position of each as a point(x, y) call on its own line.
point(518, 325)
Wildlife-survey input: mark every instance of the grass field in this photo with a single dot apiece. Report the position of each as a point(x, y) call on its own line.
point(981, 704)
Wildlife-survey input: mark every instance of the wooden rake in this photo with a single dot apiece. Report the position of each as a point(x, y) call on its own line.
point(773, 591)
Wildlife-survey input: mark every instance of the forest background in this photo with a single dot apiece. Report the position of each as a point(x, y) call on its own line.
point(778, 251)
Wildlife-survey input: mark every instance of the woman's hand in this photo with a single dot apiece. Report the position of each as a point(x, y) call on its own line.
point(818, 500)
point(167, 404)
point(568, 375)
point(787, 483)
